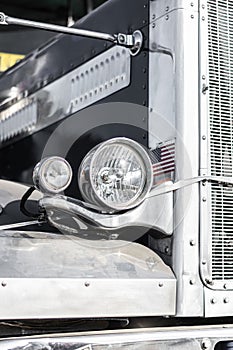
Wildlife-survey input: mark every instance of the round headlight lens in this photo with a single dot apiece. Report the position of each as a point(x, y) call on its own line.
point(52, 175)
point(116, 175)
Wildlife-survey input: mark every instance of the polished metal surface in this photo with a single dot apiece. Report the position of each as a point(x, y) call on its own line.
point(148, 214)
point(124, 176)
point(61, 276)
point(97, 79)
point(217, 90)
point(188, 338)
point(18, 119)
point(155, 212)
point(216, 155)
point(4, 19)
point(19, 225)
point(100, 77)
point(174, 114)
point(133, 41)
point(11, 191)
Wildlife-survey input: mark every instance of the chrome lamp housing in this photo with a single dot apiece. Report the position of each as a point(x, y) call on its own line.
point(116, 175)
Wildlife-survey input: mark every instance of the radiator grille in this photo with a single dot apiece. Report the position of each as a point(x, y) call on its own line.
point(220, 63)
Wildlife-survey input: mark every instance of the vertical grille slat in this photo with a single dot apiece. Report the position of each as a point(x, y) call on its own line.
point(220, 63)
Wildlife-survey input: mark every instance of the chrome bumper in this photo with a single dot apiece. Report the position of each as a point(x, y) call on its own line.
point(178, 338)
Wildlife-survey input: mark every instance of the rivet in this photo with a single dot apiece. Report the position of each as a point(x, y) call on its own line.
point(203, 18)
point(204, 262)
point(204, 199)
point(114, 236)
point(87, 284)
point(209, 281)
point(144, 70)
point(203, 137)
point(204, 89)
point(145, 6)
point(166, 249)
point(203, 77)
point(192, 282)
point(192, 242)
point(192, 16)
point(203, 6)
point(144, 21)
point(3, 284)
point(153, 17)
point(167, 8)
point(225, 286)
point(151, 109)
point(226, 300)
point(192, 4)
point(144, 87)
point(153, 25)
point(160, 284)
point(121, 38)
point(167, 18)
point(213, 301)
point(205, 344)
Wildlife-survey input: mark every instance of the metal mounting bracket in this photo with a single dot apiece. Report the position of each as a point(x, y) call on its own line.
point(132, 41)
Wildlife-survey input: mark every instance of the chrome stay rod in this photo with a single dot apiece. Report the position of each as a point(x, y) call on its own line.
point(4, 19)
point(133, 41)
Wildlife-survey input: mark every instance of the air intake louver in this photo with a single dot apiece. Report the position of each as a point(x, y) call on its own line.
point(220, 57)
point(17, 119)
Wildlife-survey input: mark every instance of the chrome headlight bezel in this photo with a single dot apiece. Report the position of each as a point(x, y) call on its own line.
point(86, 178)
point(40, 172)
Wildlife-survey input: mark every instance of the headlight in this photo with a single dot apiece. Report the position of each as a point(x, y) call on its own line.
point(52, 175)
point(116, 175)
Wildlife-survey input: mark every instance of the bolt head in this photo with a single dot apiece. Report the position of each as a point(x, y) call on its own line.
point(209, 281)
point(121, 38)
point(205, 344)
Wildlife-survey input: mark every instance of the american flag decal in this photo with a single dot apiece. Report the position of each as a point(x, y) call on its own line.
point(163, 159)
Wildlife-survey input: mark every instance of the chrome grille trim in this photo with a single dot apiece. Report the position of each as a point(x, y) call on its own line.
point(220, 72)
